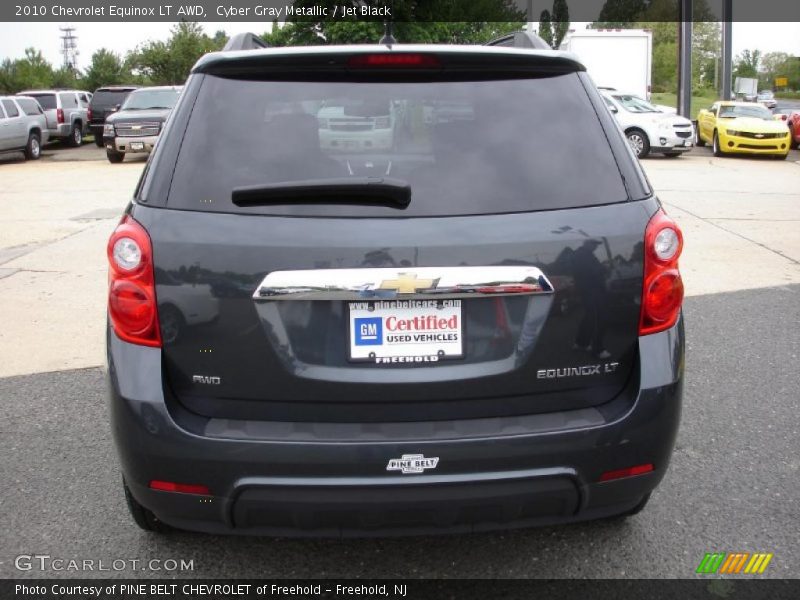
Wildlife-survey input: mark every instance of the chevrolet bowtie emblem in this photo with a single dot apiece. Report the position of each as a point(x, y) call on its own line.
point(407, 283)
point(136, 127)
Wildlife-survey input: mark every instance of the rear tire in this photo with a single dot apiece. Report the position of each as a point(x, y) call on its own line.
point(792, 142)
point(142, 516)
point(75, 138)
point(33, 149)
point(639, 142)
point(715, 147)
point(98, 140)
point(115, 157)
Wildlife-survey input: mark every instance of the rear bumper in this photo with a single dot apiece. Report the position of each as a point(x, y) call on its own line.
point(332, 480)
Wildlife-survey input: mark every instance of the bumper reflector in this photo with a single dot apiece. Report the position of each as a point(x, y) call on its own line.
point(183, 488)
point(629, 472)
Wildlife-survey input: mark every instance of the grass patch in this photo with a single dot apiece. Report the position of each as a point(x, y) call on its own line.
point(671, 99)
point(788, 95)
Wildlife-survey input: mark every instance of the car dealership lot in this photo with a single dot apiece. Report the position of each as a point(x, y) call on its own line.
point(733, 484)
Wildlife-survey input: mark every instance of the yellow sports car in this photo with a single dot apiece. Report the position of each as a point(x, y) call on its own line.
point(742, 128)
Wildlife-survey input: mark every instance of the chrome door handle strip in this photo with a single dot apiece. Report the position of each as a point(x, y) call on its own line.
point(419, 283)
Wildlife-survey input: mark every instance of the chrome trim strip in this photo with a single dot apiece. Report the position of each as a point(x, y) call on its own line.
point(402, 283)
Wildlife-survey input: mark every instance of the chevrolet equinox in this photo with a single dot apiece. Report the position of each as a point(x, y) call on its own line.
point(473, 325)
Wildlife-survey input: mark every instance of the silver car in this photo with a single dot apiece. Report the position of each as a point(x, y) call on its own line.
point(22, 126)
point(67, 113)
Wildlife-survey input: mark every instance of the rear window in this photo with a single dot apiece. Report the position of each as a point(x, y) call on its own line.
point(107, 98)
point(31, 107)
point(48, 101)
point(69, 100)
point(464, 147)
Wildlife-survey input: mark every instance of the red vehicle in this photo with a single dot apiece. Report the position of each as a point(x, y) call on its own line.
point(792, 118)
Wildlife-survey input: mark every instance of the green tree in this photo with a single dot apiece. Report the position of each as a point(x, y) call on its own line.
point(30, 72)
point(746, 64)
point(554, 26)
point(546, 27)
point(106, 68)
point(169, 63)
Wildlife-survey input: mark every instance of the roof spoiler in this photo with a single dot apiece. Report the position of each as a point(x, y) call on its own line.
point(245, 41)
point(521, 39)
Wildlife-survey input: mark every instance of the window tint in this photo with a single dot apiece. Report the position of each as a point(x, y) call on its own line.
point(84, 100)
point(48, 101)
point(464, 147)
point(754, 111)
point(107, 98)
point(11, 108)
point(2, 114)
point(29, 106)
point(68, 100)
point(144, 99)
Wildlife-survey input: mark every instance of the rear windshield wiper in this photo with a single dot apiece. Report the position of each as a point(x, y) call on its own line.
point(375, 191)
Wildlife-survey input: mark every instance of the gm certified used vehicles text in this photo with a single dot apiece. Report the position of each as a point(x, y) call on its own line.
point(105, 101)
point(66, 112)
point(387, 352)
point(137, 124)
point(742, 128)
point(648, 129)
point(22, 126)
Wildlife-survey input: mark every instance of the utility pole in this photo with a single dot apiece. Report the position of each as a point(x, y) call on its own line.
point(727, 49)
point(69, 47)
point(685, 15)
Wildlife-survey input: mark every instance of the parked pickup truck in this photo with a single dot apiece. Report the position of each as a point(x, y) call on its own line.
point(66, 111)
point(135, 127)
point(22, 126)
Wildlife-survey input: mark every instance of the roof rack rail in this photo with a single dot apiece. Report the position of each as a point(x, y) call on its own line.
point(245, 41)
point(521, 39)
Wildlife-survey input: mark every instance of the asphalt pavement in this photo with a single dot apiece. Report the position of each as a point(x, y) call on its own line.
point(733, 484)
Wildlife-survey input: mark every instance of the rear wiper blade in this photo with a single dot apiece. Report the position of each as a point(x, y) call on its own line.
point(362, 191)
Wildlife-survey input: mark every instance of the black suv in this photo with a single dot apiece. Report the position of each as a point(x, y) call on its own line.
point(105, 101)
point(475, 325)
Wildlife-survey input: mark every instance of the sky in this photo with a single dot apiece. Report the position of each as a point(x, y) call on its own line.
point(122, 37)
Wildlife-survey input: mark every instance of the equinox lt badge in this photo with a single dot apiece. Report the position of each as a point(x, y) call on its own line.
point(412, 463)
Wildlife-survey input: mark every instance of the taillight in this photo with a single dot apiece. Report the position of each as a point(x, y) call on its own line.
point(60, 115)
point(627, 472)
point(181, 488)
point(662, 290)
point(394, 60)
point(89, 113)
point(132, 305)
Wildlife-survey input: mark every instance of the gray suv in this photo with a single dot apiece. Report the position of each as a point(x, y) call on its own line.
point(22, 126)
point(66, 112)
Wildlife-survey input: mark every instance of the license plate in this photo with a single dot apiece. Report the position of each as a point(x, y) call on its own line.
point(135, 146)
point(405, 331)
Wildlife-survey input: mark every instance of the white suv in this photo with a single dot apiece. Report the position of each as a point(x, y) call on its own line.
point(647, 128)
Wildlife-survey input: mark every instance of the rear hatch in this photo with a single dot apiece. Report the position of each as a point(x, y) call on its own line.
point(105, 102)
point(488, 263)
